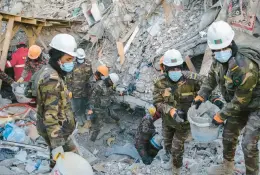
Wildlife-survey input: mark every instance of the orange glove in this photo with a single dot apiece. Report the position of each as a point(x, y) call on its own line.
point(197, 101)
point(217, 120)
point(173, 112)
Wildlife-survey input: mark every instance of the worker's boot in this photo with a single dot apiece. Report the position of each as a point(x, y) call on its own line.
point(166, 160)
point(176, 171)
point(94, 135)
point(227, 168)
point(114, 115)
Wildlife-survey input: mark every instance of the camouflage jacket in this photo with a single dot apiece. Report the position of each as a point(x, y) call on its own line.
point(33, 66)
point(78, 80)
point(55, 116)
point(5, 77)
point(101, 95)
point(168, 94)
point(238, 82)
point(145, 130)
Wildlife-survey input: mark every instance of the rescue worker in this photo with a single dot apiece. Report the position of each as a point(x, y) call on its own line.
point(145, 132)
point(18, 61)
point(78, 84)
point(100, 101)
point(173, 94)
point(55, 120)
point(236, 73)
point(33, 63)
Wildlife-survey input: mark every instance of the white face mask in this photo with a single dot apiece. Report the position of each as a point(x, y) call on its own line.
point(80, 61)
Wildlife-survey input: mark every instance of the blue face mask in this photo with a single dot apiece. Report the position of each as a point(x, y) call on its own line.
point(174, 75)
point(223, 56)
point(80, 61)
point(67, 67)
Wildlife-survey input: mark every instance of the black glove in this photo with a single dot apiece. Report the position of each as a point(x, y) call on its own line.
point(218, 103)
point(197, 101)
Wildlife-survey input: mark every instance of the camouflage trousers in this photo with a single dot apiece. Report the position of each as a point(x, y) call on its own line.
point(174, 137)
point(146, 151)
point(232, 128)
point(249, 143)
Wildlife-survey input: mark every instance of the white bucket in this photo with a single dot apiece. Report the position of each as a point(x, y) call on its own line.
point(72, 164)
point(200, 122)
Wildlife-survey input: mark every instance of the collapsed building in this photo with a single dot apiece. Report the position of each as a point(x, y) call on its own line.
point(130, 37)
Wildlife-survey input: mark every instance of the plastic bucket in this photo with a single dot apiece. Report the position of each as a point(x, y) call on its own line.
point(201, 129)
point(72, 164)
point(19, 94)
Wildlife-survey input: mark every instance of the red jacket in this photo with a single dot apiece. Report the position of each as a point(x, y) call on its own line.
point(18, 63)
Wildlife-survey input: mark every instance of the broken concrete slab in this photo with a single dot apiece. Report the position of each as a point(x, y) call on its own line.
point(91, 158)
point(7, 171)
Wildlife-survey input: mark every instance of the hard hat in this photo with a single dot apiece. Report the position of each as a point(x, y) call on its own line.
point(64, 43)
point(81, 53)
point(172, 58)
point(114, 78)
point(103, 70)
point(34, 52)
point(151, 109)
point(220, 35)
point(156, 141)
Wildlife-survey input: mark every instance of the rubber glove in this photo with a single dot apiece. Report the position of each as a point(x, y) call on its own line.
point(175, 116)
point(217, 120)
point(20, 80)
point(197, 101)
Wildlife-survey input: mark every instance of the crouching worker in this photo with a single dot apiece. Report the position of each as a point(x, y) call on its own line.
point(99, 103)
point(55, 120)
point(146, 141)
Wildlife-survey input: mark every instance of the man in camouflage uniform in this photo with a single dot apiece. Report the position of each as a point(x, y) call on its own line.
point(55, 119)
point(172, 96)
point(78, 84)
point(235, 71)
point(145, 131)
point(99, 103)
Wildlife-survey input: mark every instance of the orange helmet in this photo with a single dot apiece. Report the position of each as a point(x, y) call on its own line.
point(161, 63)
point(103, 70)
point(34, 52)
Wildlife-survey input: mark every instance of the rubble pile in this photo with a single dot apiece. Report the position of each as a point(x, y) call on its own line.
point(22, 150)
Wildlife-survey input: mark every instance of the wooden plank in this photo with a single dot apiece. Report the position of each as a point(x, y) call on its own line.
point(167, 11)
point(206, 63)
point(121, 53)
point(190, 64)
point(29, 21)
point(6, 17)
point(8, 35)
point(37, 33)
point(1, 17)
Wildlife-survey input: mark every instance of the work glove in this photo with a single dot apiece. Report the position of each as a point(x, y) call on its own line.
point(217, 120)
point(197, 101)
point(177, 115)
point(218, 103)
point(20, 80)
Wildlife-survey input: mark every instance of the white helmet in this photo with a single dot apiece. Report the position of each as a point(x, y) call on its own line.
point(114, 78)
point(81, 53)
point(65, 43)
point(220, 35)
point(172, 58)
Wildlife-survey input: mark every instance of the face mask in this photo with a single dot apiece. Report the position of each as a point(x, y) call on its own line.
point(223, 56)
point(67, 67)
point(174, 75)
point(80, 61)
